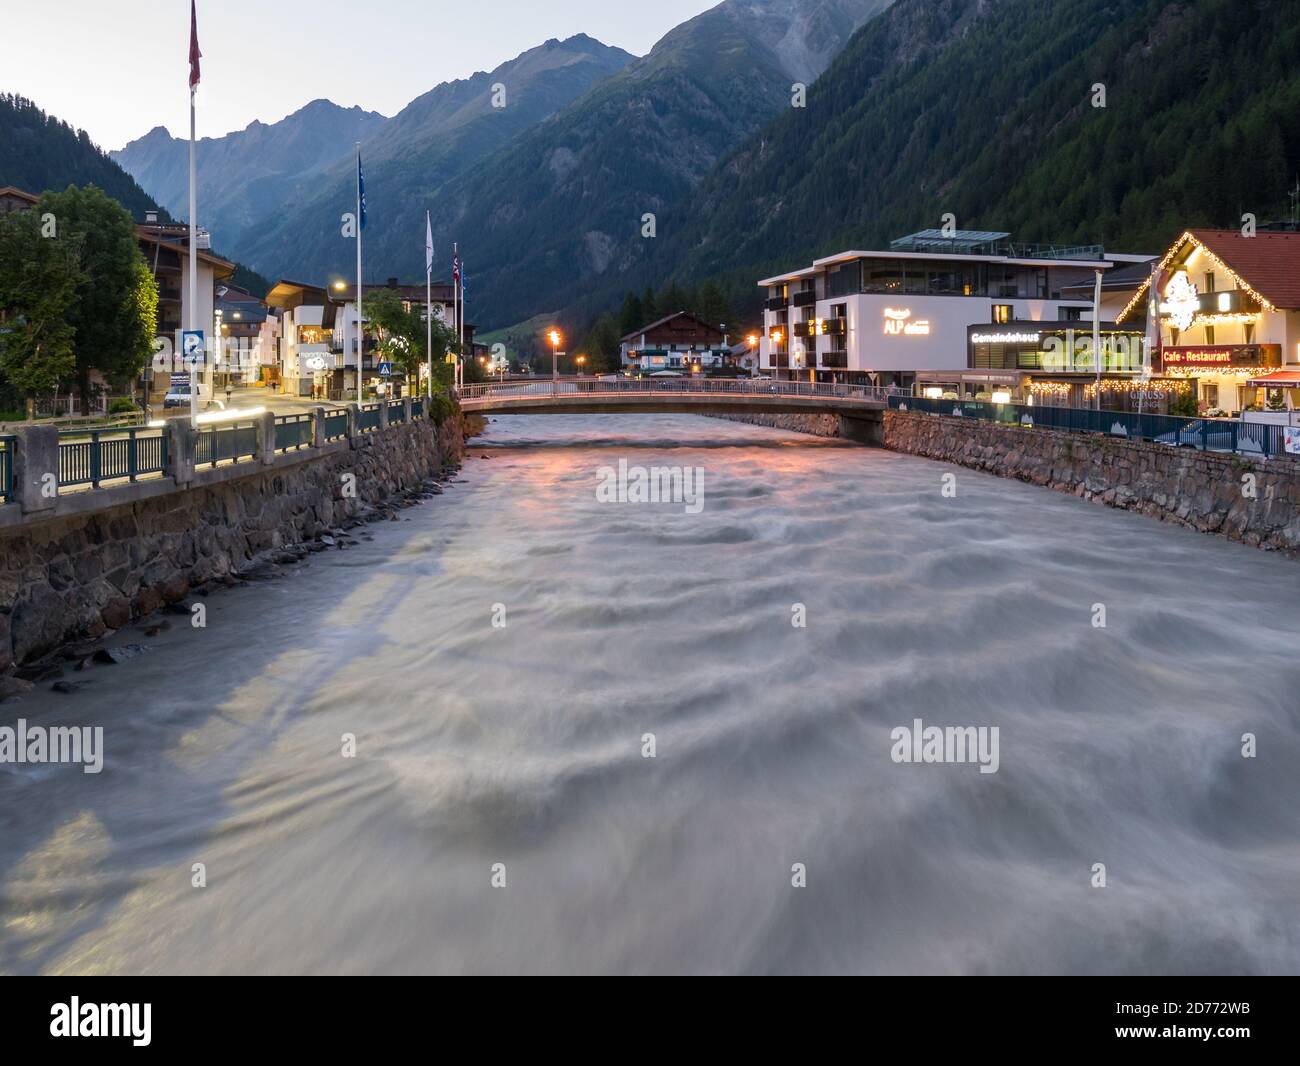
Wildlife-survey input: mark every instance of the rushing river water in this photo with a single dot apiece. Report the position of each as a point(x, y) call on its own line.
point(523, 745)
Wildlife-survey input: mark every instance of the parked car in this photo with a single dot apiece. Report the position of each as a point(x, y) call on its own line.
point(177, 396)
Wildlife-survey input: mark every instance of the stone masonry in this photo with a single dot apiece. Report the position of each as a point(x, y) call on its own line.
point(1206, 491)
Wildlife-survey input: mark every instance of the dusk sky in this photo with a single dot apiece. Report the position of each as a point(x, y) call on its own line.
point(117, 68)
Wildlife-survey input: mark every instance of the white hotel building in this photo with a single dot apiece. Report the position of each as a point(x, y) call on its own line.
point(887, 317)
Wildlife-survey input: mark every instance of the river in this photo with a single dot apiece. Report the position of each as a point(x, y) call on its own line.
point(503, 654)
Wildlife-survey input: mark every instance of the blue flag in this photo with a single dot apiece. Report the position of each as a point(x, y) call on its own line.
point(361, 190)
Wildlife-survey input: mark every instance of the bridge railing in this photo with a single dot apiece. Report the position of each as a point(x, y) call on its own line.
point(684, 386)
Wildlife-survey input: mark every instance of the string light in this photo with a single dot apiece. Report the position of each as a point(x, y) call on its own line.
point(1204, 249)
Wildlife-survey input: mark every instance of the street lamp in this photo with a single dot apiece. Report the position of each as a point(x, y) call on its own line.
point(582, 361)
point(555, 337)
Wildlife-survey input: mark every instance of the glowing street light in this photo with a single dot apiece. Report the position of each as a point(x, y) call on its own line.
point(556, 338)
point(581, 361)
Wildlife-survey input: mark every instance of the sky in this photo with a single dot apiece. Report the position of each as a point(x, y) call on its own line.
point(118, 68)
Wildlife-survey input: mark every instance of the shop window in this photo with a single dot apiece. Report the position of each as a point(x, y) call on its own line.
point(1002, 314)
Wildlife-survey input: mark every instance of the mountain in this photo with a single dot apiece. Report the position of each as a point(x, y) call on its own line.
point(40, 152)
point(247, 176)
point(984, 109)
point(561, 207)
point(447, 131)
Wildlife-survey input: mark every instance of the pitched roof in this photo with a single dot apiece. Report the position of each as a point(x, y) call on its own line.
point(637, 333)
point(1269, 261)
point(1123, 278)
point(1267, 265)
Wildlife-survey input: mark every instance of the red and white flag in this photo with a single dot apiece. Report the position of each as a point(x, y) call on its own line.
point(195, 54)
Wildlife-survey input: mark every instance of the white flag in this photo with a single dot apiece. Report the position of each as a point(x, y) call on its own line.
point(428, 244)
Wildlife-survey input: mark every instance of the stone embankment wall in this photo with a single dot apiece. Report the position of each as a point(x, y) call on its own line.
point(67, 576)
point(1206, 491)
point(818, 425)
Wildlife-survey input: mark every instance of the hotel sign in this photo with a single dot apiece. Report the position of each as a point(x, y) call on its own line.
point(898, 323)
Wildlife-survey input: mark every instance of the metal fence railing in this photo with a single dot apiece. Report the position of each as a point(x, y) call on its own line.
point(91, 457)
point(292, 432)
point(336, 426)
point(1207, 434)
point(368, 418)
point(226, 443)
point(97, 457)
point(6, 469)
point(693, 385)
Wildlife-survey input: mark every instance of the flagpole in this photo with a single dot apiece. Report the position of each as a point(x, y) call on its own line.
point(462, 325)
point(428, 295)
point(194, 228)
point(361, 333)
point(455, 312)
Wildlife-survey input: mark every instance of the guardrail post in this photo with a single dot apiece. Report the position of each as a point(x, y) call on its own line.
point(406, 410)
point(383, 415)
point(354, 426)
point(36, 467)
point(265, 424)
point(182, 450)
point(318, 427)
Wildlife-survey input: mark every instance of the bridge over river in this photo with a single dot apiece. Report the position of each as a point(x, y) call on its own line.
point(859, 407)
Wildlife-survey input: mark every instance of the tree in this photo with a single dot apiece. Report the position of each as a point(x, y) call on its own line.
point(403, 336)
point(601, 346)
point(39, 278)
point(114, 314)
point(631, 315)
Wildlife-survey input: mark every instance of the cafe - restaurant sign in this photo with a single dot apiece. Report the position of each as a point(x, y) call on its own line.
point(1209, 357)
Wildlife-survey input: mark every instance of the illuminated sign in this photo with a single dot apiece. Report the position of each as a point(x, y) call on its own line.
point(315, 362)
point(1006, 338)
point(1182, 301)
point(897, 323)
point(1198, 357)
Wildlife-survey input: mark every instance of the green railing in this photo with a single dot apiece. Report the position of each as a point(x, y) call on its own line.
point(292, 432)
point(225, 443)
point(90, 458)
point(396, 412)
point(368, 418)
point(417, 408)
point(336, 426)
point(1207, 434)
point(6, 469)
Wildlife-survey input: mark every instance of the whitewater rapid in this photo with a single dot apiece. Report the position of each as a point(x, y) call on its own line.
point(502, 655)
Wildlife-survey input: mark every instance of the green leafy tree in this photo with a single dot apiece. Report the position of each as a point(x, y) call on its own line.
point(39, 278)
point(403, 337)
point(114, 315)
point(601, 346)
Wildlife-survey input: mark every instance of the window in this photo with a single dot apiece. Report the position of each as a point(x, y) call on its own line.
point(1250, 332)
point(1209, 283)
point(1071, 314)
point(1210, 393)
point(1002, 314)
point(1209, 334)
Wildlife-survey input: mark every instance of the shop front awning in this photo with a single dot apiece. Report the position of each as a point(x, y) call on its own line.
point(1279, 379)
